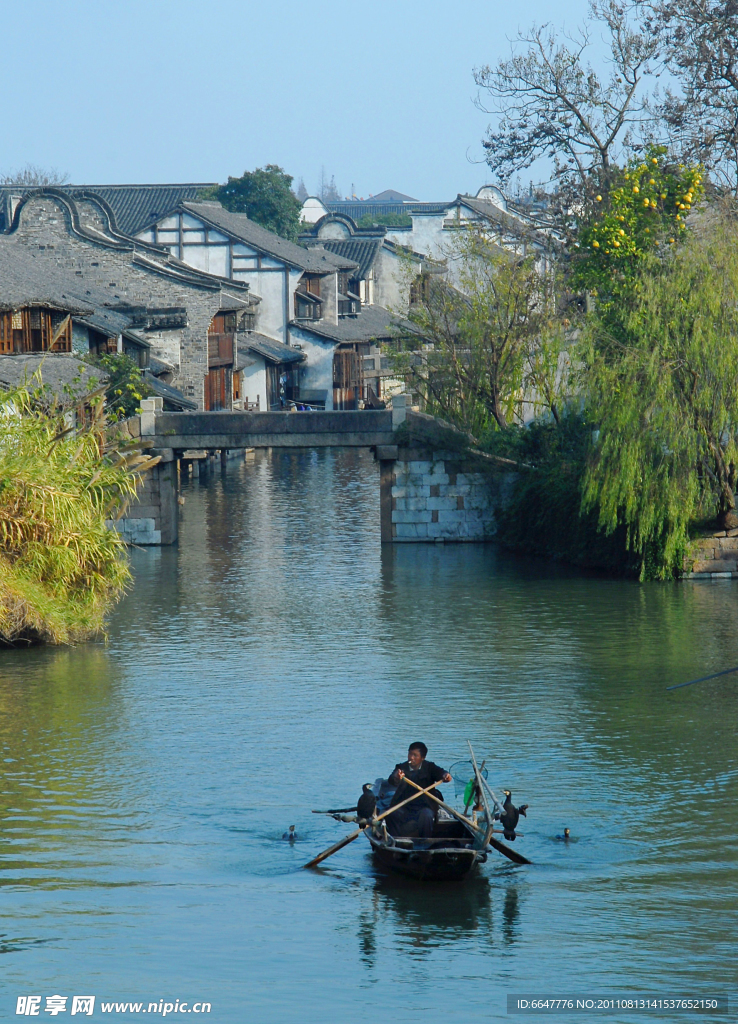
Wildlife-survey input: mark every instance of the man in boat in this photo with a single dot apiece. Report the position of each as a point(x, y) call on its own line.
point(416, 818)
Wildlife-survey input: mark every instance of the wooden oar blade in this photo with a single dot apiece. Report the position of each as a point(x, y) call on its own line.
point(512, 855)
point(333, 849)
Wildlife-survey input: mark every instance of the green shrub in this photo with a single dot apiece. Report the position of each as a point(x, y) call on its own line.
point(61, 568)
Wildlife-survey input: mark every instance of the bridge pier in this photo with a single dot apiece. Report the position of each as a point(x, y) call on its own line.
point(432, 496)
point(153, 518)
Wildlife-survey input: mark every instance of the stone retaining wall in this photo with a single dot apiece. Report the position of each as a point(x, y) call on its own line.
point(713, 557)
point(437, 496)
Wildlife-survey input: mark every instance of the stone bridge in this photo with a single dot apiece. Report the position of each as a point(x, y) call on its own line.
point(209, 431)
point(430, 488)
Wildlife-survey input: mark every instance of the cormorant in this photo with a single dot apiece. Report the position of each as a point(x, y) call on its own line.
point(367, 804)
point(511, 815)
point(566, 836)
point(290, 835)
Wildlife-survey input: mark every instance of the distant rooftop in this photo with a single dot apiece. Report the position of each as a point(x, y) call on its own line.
point(391, 196)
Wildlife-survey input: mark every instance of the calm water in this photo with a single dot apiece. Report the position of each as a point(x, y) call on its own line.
point(277, 659)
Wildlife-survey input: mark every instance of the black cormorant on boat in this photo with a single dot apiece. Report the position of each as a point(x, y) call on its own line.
point(367, 804)
point(511, 815)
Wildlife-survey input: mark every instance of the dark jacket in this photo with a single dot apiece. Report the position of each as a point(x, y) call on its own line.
point(423, 776)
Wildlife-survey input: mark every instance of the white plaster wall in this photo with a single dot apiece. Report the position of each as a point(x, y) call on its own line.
point(334, 229)
point(166, 345)
point(426, 236)
point(211, 258)
point(391, 285)
point(317, 372)
point(255, 383)
point(312, 210)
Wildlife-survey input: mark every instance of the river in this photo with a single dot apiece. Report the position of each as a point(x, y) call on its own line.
point(279, 657)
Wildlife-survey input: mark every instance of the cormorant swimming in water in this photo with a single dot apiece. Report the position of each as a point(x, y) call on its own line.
point(367, 804)
point(290, 835)
point(511, 815)
point(566, 836)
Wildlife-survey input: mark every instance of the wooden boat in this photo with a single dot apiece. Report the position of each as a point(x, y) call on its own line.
point(449, 855)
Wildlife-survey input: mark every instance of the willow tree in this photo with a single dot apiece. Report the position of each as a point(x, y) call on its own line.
point(665, 399)
point(61, 568)
point(491, 338)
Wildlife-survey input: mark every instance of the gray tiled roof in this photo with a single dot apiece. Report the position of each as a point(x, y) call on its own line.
point(239, 226)
point(134, 206)
point(171, 395)
point(271, 350)
point(57, 371)
point(372, 323)
point(362, 251)
point(29, 279)
point(357, 210)
point(107, 322)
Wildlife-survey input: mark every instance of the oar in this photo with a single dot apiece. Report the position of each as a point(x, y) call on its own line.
point(457, 814)
point(506, 850)
point(355, 835)
point(703, 679)
point(337, 810)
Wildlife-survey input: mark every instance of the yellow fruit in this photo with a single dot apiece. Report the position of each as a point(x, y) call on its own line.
point(671, 240)
point(663, 195)
point(652, 181)
point(599, 199)
point(681, 206)
point(636, 189)
point(654, 160)
point(648, 231)
point(646, 202)
point(596, 245)
point(616, 244)
point(622, 232)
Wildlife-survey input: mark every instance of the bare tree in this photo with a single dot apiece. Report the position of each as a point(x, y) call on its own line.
point(551, 103)
point(32, 176)
point(700, 40)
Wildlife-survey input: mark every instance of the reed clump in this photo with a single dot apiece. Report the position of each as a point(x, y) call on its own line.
point(61, 568)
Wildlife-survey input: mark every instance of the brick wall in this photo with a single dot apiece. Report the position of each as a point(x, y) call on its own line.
point(45, 228)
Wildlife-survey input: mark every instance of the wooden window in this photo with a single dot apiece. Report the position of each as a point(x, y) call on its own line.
point(420, 290)
point(35, 330)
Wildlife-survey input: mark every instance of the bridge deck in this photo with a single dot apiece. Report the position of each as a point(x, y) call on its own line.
point(209, 430)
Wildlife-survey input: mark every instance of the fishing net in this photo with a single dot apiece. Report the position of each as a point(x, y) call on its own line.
point(462, 772)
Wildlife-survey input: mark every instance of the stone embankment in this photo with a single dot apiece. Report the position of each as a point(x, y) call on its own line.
point(713, 557)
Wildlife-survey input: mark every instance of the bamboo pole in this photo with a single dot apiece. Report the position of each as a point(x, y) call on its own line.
point(355, 835)
point(494, 843)
point(482, 794)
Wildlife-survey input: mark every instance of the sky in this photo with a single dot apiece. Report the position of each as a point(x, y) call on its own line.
point(380, 94)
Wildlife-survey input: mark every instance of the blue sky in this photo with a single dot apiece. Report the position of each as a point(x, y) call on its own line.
point(379, 94)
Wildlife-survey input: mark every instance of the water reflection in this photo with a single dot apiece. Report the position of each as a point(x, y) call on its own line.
point(279, 657)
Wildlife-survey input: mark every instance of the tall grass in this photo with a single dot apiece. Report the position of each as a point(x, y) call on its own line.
point(61, 568)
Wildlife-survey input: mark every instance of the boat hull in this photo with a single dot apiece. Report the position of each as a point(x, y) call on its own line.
point(448, 856)
point(426, 865)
